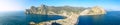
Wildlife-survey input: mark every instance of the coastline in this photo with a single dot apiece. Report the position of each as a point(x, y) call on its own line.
point(71, 14)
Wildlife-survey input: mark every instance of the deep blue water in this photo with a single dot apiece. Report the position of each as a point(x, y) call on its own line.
point(12, 18)
point(111, 18)
point(20, 18)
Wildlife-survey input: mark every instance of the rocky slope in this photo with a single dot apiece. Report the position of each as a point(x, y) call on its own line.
point(96, 10)
point(43, 9)
point(72, 13)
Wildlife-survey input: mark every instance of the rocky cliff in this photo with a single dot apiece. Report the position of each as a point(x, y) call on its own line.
point(96, 10)
point(43, 9)
point(72, 13)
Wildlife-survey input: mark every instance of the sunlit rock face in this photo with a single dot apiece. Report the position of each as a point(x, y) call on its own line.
point(72, 13)
point(97, 10)
point(43, 9)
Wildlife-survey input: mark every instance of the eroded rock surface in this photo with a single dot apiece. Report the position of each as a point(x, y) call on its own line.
point(72, 13)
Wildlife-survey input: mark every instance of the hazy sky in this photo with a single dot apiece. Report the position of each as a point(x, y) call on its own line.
point(18, 5)
point(11, 5)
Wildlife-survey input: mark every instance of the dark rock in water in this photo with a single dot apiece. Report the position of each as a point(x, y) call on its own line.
point(54, 23)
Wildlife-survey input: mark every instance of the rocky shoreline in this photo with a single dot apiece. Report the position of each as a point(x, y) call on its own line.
point(72, 13)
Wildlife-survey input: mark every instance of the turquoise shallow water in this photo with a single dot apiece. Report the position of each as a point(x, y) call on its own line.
point(19, 18)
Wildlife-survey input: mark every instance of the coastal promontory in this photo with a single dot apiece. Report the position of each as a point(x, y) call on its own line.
point(72, 13)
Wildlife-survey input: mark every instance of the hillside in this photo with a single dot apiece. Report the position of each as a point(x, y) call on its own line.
point(72, 13)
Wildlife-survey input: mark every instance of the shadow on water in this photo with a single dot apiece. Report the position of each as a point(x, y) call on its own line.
point(37, 18)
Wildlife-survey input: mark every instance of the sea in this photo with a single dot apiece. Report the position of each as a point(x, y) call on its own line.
point(20, 18)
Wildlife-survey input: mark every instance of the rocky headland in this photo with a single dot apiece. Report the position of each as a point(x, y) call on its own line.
point(72, 13)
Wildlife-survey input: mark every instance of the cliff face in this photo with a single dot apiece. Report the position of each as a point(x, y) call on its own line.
point(96, 10)
point(43, 9)
point(46, 10)
point(72, 13)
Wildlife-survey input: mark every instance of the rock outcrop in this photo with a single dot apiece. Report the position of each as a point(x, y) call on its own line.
point(96, 10)
point(72, 13)
point(43, 9)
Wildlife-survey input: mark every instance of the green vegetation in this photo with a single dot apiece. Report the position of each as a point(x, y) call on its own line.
point(43, 9)
point(72, 13)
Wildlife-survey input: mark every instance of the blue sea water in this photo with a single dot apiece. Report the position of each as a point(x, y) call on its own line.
point(13, 18)
point(110, 18)
point(20, 18)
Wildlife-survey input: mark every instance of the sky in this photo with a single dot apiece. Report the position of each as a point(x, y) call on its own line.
point(10, 5)
point(21, 5)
